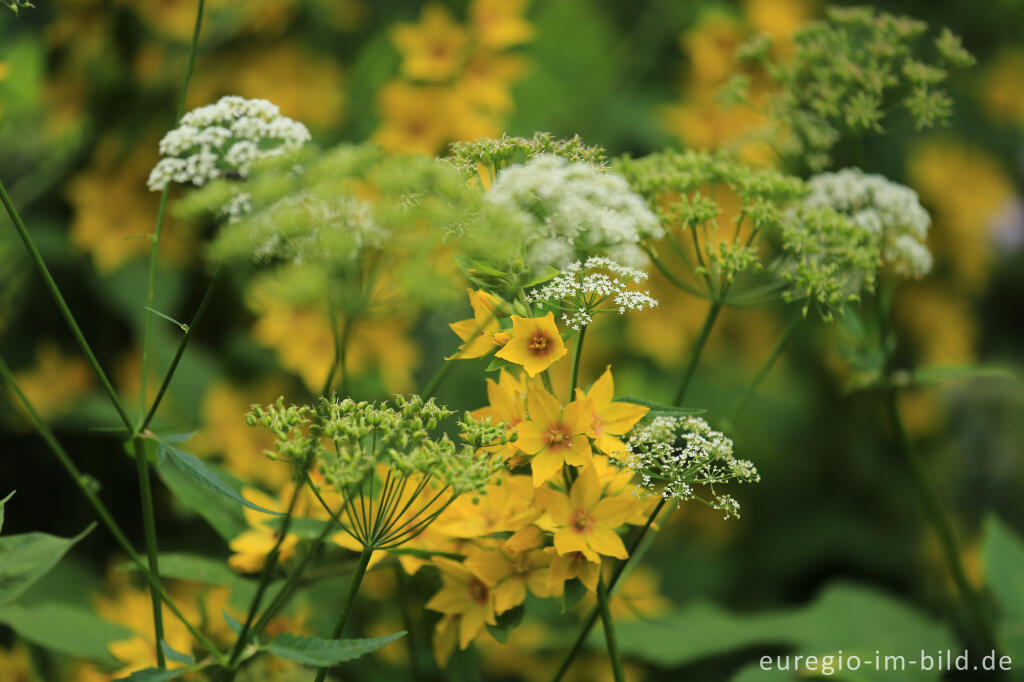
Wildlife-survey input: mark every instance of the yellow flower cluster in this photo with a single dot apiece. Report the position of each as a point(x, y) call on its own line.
point(455, 77)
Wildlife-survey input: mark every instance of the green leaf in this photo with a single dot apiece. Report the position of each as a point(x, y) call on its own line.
point(201, 472)
point(65, 629)
point(506, 623)
point(925, 376)
point(26, 558)
point(152, 675)
point(2, 503)
point(659, 408)
point(574, 591)
point(302, 527)
point(176, 656)
point(195, 568)
point(325, 652)
point(843, 616)
point(1003, 554)
point(223, 515)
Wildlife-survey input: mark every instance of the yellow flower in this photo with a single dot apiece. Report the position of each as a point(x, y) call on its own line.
point(535, 343)
point(56, 381)
point(553, 435)
point(507, 398)
point(499, 23)
point(585, 520)
point(487, 81)
point(499, 509)
point(412, 119)
point(609, 419)
point(463, 594)
point(569, 566)
point(1000, 90)
point(15, 665)
point(252, 546)
point(432, 50)
point(478, 331)
point(517, 564)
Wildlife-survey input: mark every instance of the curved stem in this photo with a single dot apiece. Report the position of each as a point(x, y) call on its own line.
point(346, 607)
point(609, 631)
point(695, 353)
point(938, 518)
point(576, 363)
point(780, 345)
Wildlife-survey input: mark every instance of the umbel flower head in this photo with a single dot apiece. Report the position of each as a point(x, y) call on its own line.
point(683, 458)
point(600, 285)
point(889, 211)
point(573, 210)
point(395, 471)
point(224, 139)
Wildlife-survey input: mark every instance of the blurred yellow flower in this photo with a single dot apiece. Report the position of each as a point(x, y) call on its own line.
point(464, 595)
point(412, 118)
point(535, 343)
point(553, 435)
point(938, 322)
point(16, 665)
point(570, 566)
point(1000, 86)
point(499, 24)
point(252, 546)
point(433, 48)
point(585, 520)
point(56, 381)
point(965, 188)
point(487, 81)
point(114, 213)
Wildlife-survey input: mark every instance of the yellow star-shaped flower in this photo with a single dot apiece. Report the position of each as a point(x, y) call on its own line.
point(535, 343)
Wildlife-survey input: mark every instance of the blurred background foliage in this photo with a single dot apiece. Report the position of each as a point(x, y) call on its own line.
point(87, 87)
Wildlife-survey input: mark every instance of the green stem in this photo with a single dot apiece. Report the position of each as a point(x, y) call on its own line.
point(439, 376)
point(576, 363)
point(617, 575)
point(780, 345)
point(161, 211)
point(76, 331)
point(269, 565)
point(695, 353)
point(609, 631)
point(936, 515)
point(149, 531)
point(177, 355)
point(86, 486)
point(346, 607)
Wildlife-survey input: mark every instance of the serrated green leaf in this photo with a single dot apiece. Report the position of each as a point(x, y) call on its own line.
point(325, 652)
point(201, 472)
point(223, 515)
point(65, 629)
point(26, 558)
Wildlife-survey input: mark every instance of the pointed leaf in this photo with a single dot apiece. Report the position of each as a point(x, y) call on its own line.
point(65, 629)
point(201, 472)
point(233, 624)
point(26, 558)
point(574, 591)
point(325, 652)
point(2, 503)
point(176, 656)
point(506, 623)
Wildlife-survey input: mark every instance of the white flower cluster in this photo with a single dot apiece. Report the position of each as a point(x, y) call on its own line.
point(676, 456)
point(222, 139)
point(574, 210)
point(886, 209)
point(581, 289)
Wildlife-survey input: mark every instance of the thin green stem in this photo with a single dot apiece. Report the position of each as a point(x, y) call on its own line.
point(674, 279)
point(149, 532)
point(86, 486)
point(346, 607)
point(439, 376)
point(755, 383)
point(269, 565)
point(695, 353)
point(76, 331)
point(161, 211)
point(938, 518)
point(576, 363)
point(610, 640)
point(617, 574)
point(177, 355)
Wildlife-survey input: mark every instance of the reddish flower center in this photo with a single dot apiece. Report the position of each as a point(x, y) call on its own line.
point(581, 521)
point(558, 436)
point(477, 591)
point(539, 344)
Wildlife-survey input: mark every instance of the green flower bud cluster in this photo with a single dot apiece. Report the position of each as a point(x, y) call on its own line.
point(290, 425)
point(497, 153)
